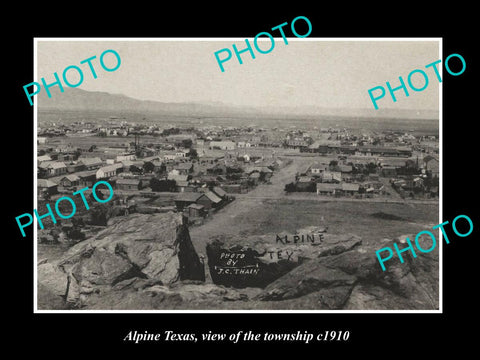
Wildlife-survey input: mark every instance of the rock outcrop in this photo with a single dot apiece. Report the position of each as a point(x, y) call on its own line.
point(354, 280)
point(149, 262)
point(154, 247)
point(256, 261)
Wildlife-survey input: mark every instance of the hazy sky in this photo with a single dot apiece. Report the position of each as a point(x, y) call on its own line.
point(312, 72)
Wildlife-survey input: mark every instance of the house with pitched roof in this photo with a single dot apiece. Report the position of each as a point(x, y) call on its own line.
point(90, 163)
point(46, 186)
point(86, 178)
point(43, 158)
point(316, 169)
point(350, 189)
point(196, 210)
point(54, 168)
point(184, 199)
point(220, 192)
point(183, 168)
point(207, 199)
point(70, 181)
point(109, 171)
point(328, 189)
point(128, 184)
point(331, 177)
point(213, 200)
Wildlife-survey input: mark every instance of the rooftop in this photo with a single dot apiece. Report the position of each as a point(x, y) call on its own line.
point(44, 158)
point(71, 177)
point(219, 191)
point(214, 198)
point(328, 187)
point(90, 161)
point(350, 187)
point(44, 183)
point(112, 167)
point(188, 196)
point(56, 165)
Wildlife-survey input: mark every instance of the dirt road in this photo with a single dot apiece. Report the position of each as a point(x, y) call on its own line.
point(223, 222)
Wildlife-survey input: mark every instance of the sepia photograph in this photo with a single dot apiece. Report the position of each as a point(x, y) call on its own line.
point(237, 175)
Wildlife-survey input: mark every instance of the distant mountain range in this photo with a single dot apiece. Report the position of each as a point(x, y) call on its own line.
point(76, 99)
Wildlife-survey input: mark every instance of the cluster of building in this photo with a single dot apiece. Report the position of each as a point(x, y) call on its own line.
point(199, 175)
point(109, 127)
point(339, 179)
point(422, 183)
point(358, 150)
point(362, 177)
point(197, 170)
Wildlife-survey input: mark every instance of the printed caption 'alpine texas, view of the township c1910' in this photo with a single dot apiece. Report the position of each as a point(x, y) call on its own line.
point(267, 187)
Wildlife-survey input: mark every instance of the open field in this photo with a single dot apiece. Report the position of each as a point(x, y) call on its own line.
point(274, 216)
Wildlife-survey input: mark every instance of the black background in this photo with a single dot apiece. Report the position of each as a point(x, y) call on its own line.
point(371, 334)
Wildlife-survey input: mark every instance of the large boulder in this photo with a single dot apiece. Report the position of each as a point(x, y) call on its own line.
point(357, 273)
point(256, 261)
point(156, 247)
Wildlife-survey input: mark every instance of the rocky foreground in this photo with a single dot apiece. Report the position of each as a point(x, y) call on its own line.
point(148, 262)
